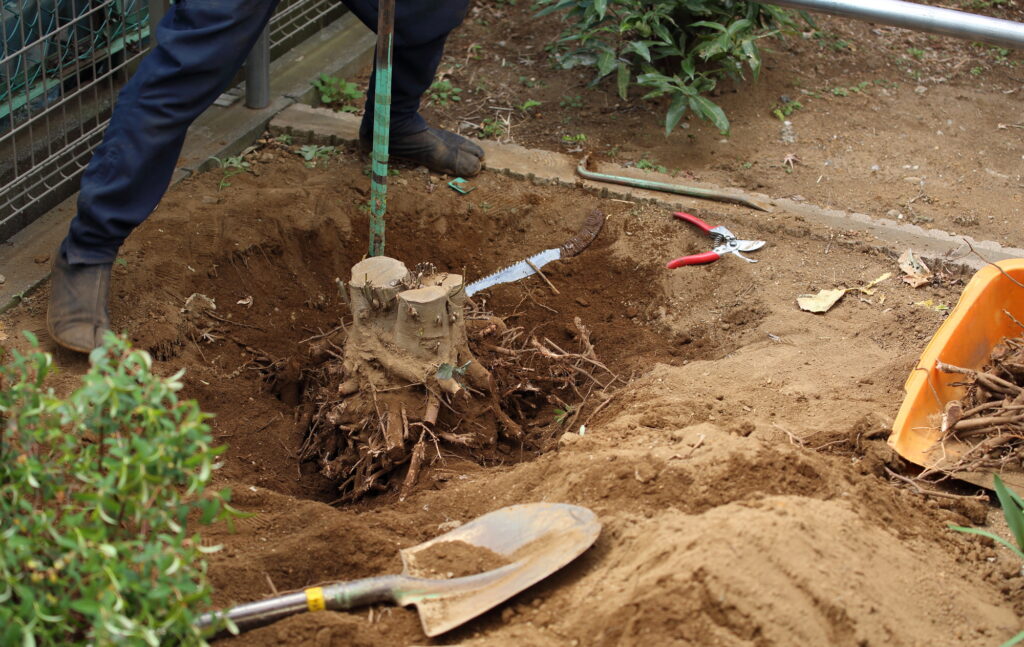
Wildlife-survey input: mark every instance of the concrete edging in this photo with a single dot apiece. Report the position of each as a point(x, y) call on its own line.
point(323, 126)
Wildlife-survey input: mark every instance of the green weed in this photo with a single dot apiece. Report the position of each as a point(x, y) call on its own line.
point(231, 166)
point(1013, 512)
point(315, 155)
point(337, 93)
point(830, 40)
point(571, 101)
point(529, 105)
point(786, 108)
point(492, 128)
point(645, 164)
point(443, 92)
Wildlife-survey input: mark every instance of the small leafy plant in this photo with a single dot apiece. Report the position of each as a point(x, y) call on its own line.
point(314, 154)
point(645, 164)
point(786, 108)
point(337, 93)
point(95, 492)
point(529, 105)
point(574, 142)
point(443, 92)
point(571, 101)
point(492, 128)
point(830, 40)
point(677, 49)
point(1013, 512)
point(231, 166)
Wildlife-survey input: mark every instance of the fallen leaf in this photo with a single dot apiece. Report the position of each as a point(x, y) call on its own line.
point(824, 300)
point(915, 281)
point(820, 302)
point(868, 288)
point(916, 273)
point(928, 303)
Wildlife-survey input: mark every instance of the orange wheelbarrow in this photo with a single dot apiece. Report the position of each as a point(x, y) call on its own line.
point(965, 339)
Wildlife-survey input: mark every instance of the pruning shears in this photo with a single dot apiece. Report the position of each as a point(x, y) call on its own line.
point(725, 243)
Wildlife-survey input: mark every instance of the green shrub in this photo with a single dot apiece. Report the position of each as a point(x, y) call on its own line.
point(678, 49)
point(95, 490)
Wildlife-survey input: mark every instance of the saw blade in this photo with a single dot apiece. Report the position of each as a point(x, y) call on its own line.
point(586, 235)
point(515, 271)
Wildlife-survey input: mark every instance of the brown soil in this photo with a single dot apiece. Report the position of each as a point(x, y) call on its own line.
point(740, 475)
point(932, 131)
point(450, 559)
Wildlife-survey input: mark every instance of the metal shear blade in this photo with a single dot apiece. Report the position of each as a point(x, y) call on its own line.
point(735, 246)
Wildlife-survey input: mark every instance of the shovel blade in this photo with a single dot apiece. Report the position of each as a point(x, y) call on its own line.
point(537, 539)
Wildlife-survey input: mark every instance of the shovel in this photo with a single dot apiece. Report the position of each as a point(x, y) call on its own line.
point(536, 539)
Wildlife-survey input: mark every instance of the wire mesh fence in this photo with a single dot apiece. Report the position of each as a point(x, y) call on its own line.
point(62, 64)
point(296, 20)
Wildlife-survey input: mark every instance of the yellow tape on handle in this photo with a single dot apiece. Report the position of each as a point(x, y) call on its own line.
point(315, 599)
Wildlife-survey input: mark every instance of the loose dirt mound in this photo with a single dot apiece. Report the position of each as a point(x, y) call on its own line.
point(722, 524)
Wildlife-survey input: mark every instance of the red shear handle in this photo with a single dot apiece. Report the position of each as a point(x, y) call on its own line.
point(695, 259)
point(694, 220)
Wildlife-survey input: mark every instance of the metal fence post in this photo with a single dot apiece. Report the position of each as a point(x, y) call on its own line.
point(257, 73)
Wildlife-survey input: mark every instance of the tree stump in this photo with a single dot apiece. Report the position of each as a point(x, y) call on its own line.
point(406, 360)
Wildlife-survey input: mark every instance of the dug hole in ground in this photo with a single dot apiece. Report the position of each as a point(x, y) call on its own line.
point(734, 445)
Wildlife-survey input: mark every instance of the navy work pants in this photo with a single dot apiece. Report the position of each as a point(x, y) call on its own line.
point(201, 46)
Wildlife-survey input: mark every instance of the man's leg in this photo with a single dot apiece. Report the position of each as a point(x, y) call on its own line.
point(201, 46)
point(421, 28)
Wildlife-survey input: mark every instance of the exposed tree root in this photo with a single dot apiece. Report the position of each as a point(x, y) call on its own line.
point(419, 376)
point(989, 419)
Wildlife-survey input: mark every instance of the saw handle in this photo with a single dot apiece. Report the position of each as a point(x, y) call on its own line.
point(694, 220)
point(336, 597)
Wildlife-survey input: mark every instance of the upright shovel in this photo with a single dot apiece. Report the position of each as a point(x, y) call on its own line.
point(537, 539)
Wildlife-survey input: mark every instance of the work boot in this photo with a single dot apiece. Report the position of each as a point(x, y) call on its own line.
point(77, 315)
point(439, 150)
